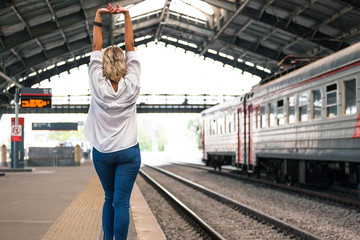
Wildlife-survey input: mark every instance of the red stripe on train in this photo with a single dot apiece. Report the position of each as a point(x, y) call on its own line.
point(357, 128)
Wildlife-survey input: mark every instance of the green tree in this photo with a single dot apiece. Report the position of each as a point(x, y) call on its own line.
point(145, 140)
point(161, 139)
point(194, 130)
point(61, 135)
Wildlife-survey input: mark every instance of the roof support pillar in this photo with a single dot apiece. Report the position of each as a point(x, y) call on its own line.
point(9, 79)
point(163, 18)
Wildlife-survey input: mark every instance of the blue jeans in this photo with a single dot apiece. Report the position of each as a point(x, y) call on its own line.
point(117, 172)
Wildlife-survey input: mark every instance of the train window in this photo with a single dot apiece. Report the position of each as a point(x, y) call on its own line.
point(263, 117)
point(256, 118)
point(235, 123)
point(213, 127)
point(209, 127)
point(272, 118)
point(229, 124)
point(303, 101)
point(221, 125)
point(316, 104)
point(331, 100)
point(349, 97)
point(291, 109)
point(280, 113)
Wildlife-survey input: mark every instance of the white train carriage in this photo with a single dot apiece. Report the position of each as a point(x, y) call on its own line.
point(220, 133)
point(304, 126)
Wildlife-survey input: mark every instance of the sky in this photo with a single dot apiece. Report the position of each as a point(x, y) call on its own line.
point(165, 70)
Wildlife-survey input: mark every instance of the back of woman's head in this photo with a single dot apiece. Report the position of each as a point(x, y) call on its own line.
point(114, 65)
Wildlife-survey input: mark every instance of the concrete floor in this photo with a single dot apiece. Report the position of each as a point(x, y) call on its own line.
point(30, 202)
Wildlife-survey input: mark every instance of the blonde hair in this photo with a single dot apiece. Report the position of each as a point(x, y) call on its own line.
point(114, 65)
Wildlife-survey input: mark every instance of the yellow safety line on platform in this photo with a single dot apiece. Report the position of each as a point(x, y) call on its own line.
point(81, 220)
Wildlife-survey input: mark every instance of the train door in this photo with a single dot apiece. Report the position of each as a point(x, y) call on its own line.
point(249, 137)
point(202, 133)
point(241, 144)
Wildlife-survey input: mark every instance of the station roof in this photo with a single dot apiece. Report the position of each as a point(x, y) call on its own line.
point(43, 38)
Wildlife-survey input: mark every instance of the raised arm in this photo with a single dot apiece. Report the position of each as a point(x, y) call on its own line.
point(129, 35)
point(97, 34)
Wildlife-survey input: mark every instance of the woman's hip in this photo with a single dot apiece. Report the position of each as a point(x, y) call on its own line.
point(129, 155)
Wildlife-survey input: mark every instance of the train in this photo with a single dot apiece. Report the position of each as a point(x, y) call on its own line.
point(302, 127)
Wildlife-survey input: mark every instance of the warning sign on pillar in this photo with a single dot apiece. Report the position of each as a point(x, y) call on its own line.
point(16, 133)
point(16, 130)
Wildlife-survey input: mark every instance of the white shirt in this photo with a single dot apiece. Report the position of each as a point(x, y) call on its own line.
point(111, 122)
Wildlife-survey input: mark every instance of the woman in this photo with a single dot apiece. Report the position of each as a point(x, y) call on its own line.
point(111, 125)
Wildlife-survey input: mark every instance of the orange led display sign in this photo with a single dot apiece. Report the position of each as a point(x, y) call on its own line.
point(35, 97)
point(34, 103)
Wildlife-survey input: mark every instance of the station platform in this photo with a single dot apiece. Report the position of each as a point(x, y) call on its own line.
point(64, 203)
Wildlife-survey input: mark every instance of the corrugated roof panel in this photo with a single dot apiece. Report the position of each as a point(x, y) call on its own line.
point(30, 50)
point(277, 11)
point(248, 37)
point(59, 4)
point(329, 30)
point(289, 6)
point(10, 58)
point(274, 43)
point(283, 36)
point(302, 47)
point(67, 10)
point(330, 6)
point(11, 28)
point(39, 18)
point(348, 20)
point(52, 40)
point(318, 11)
point(9, 22)
point(76, 36)
point(258, 30)
point(255, 4)
point(304, 21)
point(30, 12)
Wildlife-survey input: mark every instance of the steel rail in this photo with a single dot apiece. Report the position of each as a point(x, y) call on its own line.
point(292, 230)
point(308, 192)
point(205, 227)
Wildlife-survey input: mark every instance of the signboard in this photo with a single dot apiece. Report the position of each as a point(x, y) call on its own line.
point(55, 126)
point(35, 97)
point(16, 133)
point(16, 130)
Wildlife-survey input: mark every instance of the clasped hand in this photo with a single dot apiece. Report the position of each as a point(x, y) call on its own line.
point(111, 10)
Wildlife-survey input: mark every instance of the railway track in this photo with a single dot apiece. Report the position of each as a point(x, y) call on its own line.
point(206, 228)
point(260, 222)
point(333, 197)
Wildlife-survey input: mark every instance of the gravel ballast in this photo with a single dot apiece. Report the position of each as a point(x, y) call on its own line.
point(228, 222)
point(326, 220)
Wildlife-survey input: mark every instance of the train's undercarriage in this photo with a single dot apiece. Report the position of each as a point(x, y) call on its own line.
point(216, 160)
point(310, 171)
point(293, 171)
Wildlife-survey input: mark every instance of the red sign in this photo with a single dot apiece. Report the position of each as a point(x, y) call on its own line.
point(20, 121)
point(16, 133)
point(16, 130)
